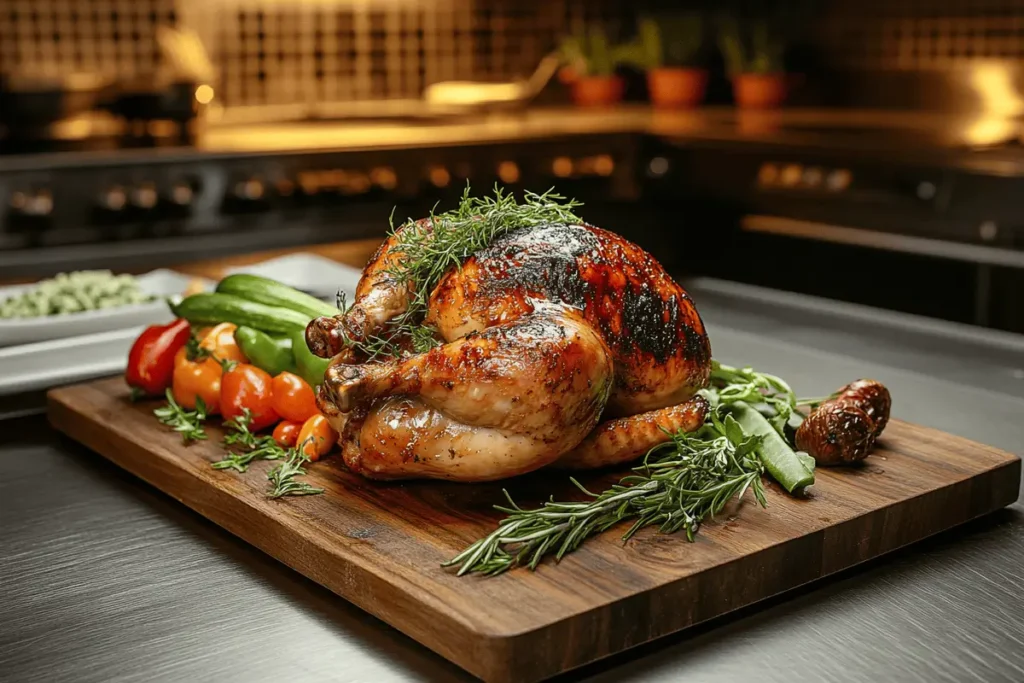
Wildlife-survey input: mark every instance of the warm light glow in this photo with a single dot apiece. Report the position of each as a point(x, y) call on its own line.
point(994, 84)
point(439, 176)
point(604, 165)
point(990, 130)
point(768, 174)
point(508, 171)
point(204, 94)
point(384, 177)
point(562, 167)
point(791, 174)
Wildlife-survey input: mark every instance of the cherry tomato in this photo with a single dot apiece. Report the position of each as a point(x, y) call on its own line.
point(317, 437)
point(247, 387)
point(220, 341)
point(286, 434)
point(293, 398)
point(196, 379)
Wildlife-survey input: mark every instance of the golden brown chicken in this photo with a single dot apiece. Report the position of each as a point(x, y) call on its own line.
point(547, 332)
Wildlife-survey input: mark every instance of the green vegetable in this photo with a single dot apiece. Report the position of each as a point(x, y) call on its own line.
point(272, 293)
point(85, 290)
point(310, 367)
point(779, 459)
point(212, 308)
point(271, 354)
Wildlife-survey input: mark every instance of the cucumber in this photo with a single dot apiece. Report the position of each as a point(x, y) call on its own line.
point(273, 293)
point(212, 308)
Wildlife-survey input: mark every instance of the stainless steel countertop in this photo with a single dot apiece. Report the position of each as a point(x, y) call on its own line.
point(106, 579)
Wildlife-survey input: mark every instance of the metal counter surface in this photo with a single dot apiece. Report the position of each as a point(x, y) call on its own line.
point(106, 579)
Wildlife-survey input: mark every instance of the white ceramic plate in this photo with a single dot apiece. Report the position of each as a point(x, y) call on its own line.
point(29, 367)
point(161, 283)
point(310, 273)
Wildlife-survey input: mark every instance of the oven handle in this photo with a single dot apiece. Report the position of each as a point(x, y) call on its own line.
point(838, 234)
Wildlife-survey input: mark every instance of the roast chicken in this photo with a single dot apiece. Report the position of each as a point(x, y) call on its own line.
point(562, 345)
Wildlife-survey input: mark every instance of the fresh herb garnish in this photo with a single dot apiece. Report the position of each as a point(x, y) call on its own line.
point(680, 484)
point(431, 248)
point(282, 478)
point(187, 422)
point(195, 353)
point(256, 447)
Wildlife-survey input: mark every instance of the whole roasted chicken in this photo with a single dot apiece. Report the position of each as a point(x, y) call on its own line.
point(560, 344)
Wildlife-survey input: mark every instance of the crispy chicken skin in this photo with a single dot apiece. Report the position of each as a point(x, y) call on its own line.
point(546, 331)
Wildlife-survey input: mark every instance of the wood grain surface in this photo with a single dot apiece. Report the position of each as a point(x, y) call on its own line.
point(380, 545)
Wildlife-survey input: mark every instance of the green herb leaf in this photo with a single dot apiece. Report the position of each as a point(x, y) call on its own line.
point(189, 423)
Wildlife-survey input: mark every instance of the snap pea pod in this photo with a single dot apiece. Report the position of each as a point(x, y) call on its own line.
point(271, 354)
point(310, 366)
point(212, 308)
point(785, 466)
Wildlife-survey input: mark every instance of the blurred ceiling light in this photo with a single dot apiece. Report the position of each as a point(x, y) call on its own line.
point(604, 165)
point(204, 94)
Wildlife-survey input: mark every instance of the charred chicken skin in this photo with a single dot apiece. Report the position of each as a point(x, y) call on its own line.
point(546, 332)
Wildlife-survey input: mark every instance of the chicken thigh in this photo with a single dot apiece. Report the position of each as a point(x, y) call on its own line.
point(546, 332)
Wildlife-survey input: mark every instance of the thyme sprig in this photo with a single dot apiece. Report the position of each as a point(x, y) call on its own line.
point(189, 423)
point(680, 484)
point(432, 248)
point(283, 477)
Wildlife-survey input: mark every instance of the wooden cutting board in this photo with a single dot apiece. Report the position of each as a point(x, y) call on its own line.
point(380, 545)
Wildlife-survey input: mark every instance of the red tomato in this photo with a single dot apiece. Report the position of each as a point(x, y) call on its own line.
point(246, 386)
point(286, 434)
point(317, 437)
point(151, 359)
point(293, 398)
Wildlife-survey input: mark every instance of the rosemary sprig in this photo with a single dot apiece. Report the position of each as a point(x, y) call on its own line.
point(429, 250)
point(282, 478)
point(189, 423)
point(681, 483)
point(256, 447)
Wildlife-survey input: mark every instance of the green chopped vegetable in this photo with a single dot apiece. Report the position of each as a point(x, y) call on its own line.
point(84, 290)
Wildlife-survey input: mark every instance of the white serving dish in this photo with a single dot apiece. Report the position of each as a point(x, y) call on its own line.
point(161, 283)
point(313, 274)
point(30, 367)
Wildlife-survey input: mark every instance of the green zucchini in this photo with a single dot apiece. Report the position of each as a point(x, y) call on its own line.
point(272, 293)
point(212, 308)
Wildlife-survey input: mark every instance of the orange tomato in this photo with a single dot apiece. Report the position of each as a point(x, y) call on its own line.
point(317, 437)
point(247, 387)
point(293, 398)
point(196, 379)
point(220, 341)
point(286, 434)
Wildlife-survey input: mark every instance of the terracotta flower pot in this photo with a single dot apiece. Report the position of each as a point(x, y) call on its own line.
point(676, 87)
point(596, 91)
point(759, 91)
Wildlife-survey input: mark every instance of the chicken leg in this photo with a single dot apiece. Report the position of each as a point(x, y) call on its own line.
point(490, 405)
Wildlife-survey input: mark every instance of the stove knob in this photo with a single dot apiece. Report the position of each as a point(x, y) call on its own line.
point(838, 180)
point(250, 189)
point(31, 203)
point(181, 194)
point(144, 196)
point(114, 198)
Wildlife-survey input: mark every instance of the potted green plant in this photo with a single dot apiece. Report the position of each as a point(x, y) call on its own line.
point(671, 44)
point(590, 61)
point(755, 66)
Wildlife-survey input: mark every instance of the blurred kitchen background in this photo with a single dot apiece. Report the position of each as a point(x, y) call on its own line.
point(860, 150)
